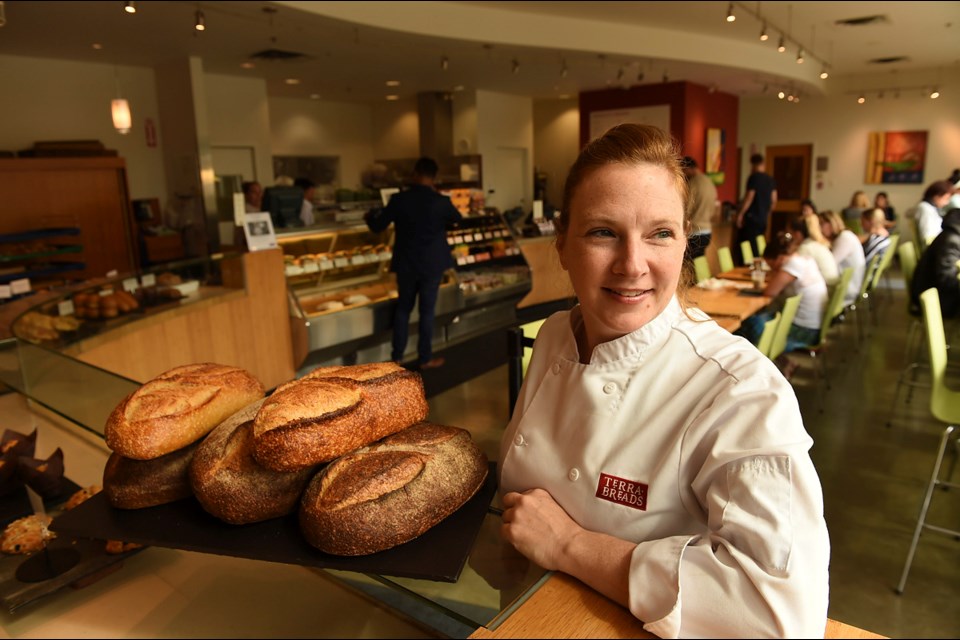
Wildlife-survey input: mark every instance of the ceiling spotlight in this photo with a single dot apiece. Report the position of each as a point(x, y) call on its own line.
point(763, 33)
point(730, 16)
point(129, 7)
point(782, 46)
point(392, 83)
point(393, 97)
point(800, 56)
point(934, 94)
point(861, 99)
point(516, 66)
point(563, 70)
point(201, 22)
point(781, 95)
point(444, 63)
point(790, 98)
point(824, 74)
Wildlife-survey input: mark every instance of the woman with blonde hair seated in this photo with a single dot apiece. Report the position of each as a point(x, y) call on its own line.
point(847, 251)
point(859, 203)
point(813, 244)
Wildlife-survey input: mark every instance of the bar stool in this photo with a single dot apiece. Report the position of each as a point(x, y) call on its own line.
point(945, 406)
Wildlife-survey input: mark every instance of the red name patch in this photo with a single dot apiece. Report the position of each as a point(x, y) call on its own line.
point(622, 491)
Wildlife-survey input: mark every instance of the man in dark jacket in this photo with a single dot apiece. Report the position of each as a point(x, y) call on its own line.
point(938, 268)
point(420, 216)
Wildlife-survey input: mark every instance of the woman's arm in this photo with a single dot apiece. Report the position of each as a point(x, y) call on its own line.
point(777, 282)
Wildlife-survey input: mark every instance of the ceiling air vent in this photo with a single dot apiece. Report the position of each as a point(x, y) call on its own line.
point(862, 22)
point(277, 54)
point(889, 60)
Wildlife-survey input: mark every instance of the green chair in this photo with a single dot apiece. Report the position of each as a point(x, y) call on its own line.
point(519, 349)
point(766, 336)
point(725, 258)
point(818, 351)
point(701, 268)
point(761, 244)
point(945, 406)
point(860, 305)
point(881, 271)
point(907, 252)
point(747, 251)
point(787, 314)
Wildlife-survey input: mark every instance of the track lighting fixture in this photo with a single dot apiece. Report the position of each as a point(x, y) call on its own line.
point(800, 56)
point(129, 7)
point(763, 33)
point(824, 74)
point(666, 78)
point(516, 66)
point(861, 99)
point(935, 93)
point(444, 63)
point(730, 16)
point(781, 95)
point(782, 46)
point(563, 70)
point(201, 23)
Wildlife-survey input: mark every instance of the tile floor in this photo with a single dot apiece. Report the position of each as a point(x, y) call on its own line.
point(873, 475)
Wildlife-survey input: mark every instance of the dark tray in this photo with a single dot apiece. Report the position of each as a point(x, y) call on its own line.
point(17, 503)
point(439, 554)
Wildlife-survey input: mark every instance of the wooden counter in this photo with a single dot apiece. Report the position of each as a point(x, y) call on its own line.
point(248, 327)
point(563, 607)
point(550, 281)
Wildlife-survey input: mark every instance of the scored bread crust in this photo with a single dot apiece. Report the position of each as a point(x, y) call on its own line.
point(138, 484)
point(231, 485)
point(177, 408)
point(393, 491)
point(334, 410)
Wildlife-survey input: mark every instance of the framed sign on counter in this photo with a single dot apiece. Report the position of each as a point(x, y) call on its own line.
point(258, 229)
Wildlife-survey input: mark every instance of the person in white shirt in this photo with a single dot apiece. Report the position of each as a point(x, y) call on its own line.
point(847, 250)
point(651, 454)
point(813, 244)
point(306, 209)
point(927, 211)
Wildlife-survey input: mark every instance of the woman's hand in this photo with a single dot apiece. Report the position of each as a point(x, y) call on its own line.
point(537, 526)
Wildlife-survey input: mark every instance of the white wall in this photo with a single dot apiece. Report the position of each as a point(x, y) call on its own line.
point(837, 127)
point(464, 123)
point(316, 128)
point(396, 130)
point(505, 142)
point(556, 136)
point(240, 117)
point(46, 100)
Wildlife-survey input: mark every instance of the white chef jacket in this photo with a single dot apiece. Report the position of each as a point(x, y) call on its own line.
point(685, 439)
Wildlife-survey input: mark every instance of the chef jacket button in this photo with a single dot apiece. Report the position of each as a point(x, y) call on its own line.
point(556, 368)
point(573, 475)
point(610, 387)
point(518, 440)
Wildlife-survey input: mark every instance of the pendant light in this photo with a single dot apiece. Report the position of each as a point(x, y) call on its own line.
point(120, 111)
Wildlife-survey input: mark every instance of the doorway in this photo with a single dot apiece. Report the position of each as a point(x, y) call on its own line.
point(790, 167)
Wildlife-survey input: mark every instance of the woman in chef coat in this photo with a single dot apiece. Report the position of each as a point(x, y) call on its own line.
point(652, 454)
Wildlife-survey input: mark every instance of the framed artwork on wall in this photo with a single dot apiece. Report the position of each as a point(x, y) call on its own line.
point(896, 157)
point(713, 166)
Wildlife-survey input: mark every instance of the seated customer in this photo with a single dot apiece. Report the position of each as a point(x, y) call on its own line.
point(813, 244)
point(877, 239)
point(937, 267)
point(847, 251)
point(651, 454)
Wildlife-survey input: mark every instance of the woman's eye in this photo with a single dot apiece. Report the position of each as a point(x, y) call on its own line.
point(600, 233)
point(664, 234)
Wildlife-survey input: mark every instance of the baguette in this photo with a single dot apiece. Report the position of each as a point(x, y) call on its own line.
point(393, 491)
point(177, 408)
point(231, 485)
point(334, 410)
point(137, 484)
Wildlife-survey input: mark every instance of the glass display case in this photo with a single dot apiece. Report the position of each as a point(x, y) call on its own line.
point(62, 316)
point(342, 293)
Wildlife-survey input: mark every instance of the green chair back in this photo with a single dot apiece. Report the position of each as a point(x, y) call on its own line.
point(701, 268)
point(746, 249)
point(766, 337)
point(908, 264)
point(725, 258)
point(885, 260)
point(871, 267)
point(944, 402)
point(762, 244)
point(834, 304)
point(530, 330)
point(787, 314)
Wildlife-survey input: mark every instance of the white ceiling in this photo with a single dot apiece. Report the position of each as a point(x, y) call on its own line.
point(601, 44)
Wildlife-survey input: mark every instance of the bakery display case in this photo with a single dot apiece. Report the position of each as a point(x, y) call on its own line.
point(59, 317)
point(342, 293)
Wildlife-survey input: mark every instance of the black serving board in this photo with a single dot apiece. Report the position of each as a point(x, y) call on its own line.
point(439, 554)
point(16, 504)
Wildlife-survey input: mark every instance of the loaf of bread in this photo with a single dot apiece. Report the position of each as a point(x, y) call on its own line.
point(393, 491)
point(177, 408)
point(137, 484)
point(231, 485)
point(334, 410)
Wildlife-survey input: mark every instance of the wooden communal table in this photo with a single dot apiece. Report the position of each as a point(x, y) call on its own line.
point(727, 301)
point(740, 274)
point(564, 607)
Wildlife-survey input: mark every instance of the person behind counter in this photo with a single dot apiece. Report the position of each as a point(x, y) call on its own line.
point(652, 453)
point(421, 254)
point(252, 196)
point(306, 209)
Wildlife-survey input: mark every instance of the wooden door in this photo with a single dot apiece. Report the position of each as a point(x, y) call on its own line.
point(790, 167)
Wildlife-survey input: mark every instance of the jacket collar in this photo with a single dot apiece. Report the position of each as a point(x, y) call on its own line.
point(630, 346)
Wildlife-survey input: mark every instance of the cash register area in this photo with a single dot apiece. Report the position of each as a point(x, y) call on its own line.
point(873, 477)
